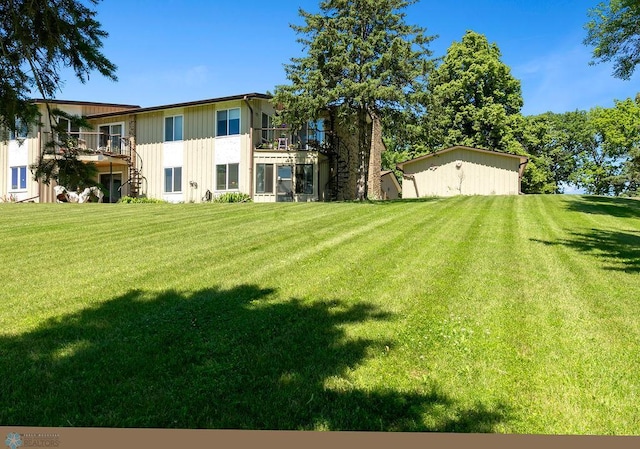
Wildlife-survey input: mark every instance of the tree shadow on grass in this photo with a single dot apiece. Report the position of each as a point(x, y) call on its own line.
point(620, 249)
point(213, 359)
point(602, 205)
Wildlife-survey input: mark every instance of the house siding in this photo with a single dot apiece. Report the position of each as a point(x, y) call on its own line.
point(389, 189)
point(14, 154)
point(198, 153)
point(462, 172)
point(17, 153)
point(149, 146)
point(4, 169)
point(320, 172)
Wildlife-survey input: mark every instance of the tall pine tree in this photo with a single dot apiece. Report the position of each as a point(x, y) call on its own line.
point(362, 63)
point(37, 38)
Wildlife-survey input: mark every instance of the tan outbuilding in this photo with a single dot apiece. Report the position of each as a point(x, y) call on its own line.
point(462, 170)
point(390, 188)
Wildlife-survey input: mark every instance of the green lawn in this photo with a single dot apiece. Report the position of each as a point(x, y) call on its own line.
point(469, 314)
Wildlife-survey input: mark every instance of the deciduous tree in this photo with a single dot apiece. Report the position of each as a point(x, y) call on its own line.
point(614, 34)
point(474, 99)
point(552, 142)
point(605, 144)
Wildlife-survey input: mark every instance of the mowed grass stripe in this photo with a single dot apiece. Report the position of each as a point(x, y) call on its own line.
point(260, 247)
point(437, 303)
point(487, 314)
point(568, 287)
point(350, 256)
point(124, 254)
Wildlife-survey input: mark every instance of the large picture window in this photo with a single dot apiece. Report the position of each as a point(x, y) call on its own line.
point(227, 176)
point(173, 179)
point(173, 128)
point(228, 122)
point(19, 178)
point(264, 178)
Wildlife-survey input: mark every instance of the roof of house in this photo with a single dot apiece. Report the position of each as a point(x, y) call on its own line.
point(523, 159)
point(186, 104)
point(384, 173)
point(84, 103)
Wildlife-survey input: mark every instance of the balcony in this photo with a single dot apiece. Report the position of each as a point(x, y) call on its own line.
point(87, 143)
point(96, 147)
point(285, 139)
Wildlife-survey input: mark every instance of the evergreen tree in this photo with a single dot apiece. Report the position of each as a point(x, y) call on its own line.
point(36, 39)
point(363, 63)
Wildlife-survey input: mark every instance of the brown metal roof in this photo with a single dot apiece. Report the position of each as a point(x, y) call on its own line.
point(186, 104)
point(523, 159)
point(85, 103)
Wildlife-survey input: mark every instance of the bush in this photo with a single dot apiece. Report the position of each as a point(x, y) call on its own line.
point(232, 197)
point(130, 200)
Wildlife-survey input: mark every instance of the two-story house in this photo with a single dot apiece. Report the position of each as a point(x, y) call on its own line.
point(186, 152)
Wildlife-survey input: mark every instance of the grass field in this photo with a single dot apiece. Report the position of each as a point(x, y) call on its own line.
point(469, 314)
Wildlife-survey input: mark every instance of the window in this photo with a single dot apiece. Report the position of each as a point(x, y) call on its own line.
point(21, 131)
point(227, 176)
point(316, 134)
point(173, 179)
point(304, 178)
point(71, 128)
point(267, 128)
point(313, 134)
point(284, 192)
point(228, 122)
point(264, 178)
point(19, 178)
point(111, 137)
point(173, 128)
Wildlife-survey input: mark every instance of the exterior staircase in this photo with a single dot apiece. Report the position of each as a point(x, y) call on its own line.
point(339, 168)
point(136, 179)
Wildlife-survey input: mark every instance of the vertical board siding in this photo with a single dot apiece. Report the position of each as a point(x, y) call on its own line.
point(4, 169)
point(149, 129)
point(33, 154)
point(102, 109)
point(198, 145)
point(479, 174)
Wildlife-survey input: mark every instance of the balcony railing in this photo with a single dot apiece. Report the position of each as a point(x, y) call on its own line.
point(285, 139)
point(87, 143)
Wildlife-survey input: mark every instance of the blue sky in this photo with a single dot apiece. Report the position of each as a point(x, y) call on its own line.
point(170, 51)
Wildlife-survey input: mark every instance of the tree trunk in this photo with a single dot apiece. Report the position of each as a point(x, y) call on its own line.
point(375, 157)
point(363, 154)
